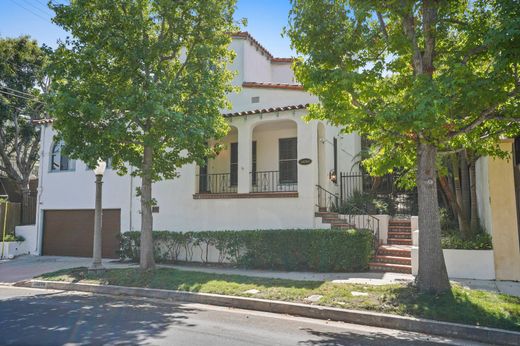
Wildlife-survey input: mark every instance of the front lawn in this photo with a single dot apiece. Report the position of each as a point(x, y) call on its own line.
point(473, 307)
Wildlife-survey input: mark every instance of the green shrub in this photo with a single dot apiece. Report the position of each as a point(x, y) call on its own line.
point(368, 203)
point(314, 250)
point(453, 240)
point(12, 237)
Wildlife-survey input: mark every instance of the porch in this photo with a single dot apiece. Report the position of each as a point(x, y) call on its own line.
point(256, 161)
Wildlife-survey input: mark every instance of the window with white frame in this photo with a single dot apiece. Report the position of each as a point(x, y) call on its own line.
point(60, 162)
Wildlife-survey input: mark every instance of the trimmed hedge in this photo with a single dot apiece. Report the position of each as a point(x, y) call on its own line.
point(288, 249)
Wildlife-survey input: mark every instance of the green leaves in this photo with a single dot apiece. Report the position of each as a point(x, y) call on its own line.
point(139, 72)
point(358, 58)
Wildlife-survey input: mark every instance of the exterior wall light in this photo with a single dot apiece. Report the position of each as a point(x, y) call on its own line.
point(332, 176)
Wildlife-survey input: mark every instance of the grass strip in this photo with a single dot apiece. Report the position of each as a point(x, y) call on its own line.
point(473, 307)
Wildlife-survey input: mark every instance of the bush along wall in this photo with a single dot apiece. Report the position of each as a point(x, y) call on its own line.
point(305, 250)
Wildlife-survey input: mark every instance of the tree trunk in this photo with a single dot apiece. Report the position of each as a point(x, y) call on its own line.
point(26, 192)
point(464, 183)
point(474, 224)
point(460, 212)
point(146, 257)
point(452, 202)
point(432, 276)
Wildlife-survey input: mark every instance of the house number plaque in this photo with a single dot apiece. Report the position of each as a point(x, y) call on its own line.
point(305, 161)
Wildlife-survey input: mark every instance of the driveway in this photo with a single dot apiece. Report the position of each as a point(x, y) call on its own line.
point(27, 267)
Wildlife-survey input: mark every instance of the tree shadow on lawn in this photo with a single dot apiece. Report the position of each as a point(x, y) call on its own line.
point(463, 306)
point(479, 308)
point(60, 319)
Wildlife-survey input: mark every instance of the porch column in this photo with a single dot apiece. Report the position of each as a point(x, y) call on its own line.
point(244, 157)
point(307, 148)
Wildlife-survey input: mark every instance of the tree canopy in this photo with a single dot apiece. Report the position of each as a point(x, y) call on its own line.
point(22, 83)
point(417, 78)
point(142, 82)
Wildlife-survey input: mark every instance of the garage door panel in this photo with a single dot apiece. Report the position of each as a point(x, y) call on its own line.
point(71, 232)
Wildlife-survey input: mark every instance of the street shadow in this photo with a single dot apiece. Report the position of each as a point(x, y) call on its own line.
point(369, 338)
point(86, 319)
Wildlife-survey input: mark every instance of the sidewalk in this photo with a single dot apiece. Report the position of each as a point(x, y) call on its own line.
point(27, 267)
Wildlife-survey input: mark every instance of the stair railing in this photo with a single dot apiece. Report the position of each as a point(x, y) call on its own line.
point(327, 201)
point(330, 202)
point(361, 220)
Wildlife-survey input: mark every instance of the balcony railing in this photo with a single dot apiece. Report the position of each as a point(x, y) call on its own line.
point(216, 183)
point(269, 181)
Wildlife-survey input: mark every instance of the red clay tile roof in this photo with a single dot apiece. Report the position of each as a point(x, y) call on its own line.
point(247, 36)
point(267, 110)
point(282, 60)
point(272, 85)
point(235, 114)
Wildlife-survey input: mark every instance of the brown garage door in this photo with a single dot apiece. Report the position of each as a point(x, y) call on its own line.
point(71, 232)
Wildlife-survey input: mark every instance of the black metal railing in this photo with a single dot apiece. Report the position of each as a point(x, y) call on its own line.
point(360, 220)
point(216, 183)
point(271, 181)
point(357, 218)
point(327, 201)
point(367, 192)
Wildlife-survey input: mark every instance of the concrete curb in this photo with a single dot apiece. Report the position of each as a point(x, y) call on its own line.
point(454, 330)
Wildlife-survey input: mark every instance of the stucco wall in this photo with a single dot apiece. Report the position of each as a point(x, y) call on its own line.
point(178, 209)
point(257, 65)
point(484, 201)
point(282, 73)
point(268, 98)
point(504, 217)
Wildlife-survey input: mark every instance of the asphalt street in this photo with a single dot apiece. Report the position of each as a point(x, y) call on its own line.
point(46, 317)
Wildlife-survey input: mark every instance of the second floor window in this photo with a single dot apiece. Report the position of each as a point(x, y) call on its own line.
point(60, 162)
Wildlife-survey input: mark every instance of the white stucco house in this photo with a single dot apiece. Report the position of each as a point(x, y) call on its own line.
point(265, 178)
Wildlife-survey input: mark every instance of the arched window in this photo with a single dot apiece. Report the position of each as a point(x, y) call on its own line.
point(60, 162)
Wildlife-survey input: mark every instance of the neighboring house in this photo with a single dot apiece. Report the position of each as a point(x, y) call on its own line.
point(265, 178)
point(498, 195)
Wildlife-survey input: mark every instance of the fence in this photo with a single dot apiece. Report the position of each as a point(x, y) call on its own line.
point(271, 181)
point(370, 193)
point(13, 217)
point(28, 212)
point(216, 183)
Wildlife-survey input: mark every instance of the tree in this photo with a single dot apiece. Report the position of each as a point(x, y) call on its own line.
point(419, 79)
point(22, 83)
point(142, 82)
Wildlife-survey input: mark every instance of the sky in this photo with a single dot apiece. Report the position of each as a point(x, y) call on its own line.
point(265, 20)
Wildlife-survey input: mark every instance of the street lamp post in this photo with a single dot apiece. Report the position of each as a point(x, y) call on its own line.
point(98, 215)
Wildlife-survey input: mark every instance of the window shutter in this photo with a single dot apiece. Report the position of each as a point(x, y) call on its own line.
point(288, 165)
point(253, 166)
point(233, 167)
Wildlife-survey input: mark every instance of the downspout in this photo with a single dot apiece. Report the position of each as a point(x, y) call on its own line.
point(131, 196)
point(39, 214)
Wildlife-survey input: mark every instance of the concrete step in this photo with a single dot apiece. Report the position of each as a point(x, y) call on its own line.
point(325, 214)
point(399, 223)
point(398, 241)
point(388, 267)
point(393, 259)
point(343, 226)
point(400, 235)
point(399, 228)
point(395, 250)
